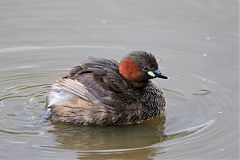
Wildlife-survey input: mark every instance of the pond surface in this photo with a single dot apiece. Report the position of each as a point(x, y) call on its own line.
point(196, 43)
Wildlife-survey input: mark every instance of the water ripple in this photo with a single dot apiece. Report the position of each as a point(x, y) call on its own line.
point(27, 48)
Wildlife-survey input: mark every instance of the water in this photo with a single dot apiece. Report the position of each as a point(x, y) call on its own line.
point(196, 43)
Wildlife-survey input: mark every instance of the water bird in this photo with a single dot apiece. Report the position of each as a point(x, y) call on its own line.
point(106, 92)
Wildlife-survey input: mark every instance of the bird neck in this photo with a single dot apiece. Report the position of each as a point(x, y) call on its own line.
point(139, 84)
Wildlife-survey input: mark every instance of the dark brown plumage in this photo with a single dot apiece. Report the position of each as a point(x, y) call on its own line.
point(104, 92)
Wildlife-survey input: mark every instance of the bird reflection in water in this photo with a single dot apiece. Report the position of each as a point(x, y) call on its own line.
point(112, 142)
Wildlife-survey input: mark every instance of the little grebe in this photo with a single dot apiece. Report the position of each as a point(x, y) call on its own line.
point(104, 92)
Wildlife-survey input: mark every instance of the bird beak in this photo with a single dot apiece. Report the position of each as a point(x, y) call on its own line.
point(158, 74)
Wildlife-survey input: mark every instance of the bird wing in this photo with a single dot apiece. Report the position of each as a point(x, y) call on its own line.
point(99, 80)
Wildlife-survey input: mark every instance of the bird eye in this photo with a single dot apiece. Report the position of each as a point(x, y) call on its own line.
point(145, 68)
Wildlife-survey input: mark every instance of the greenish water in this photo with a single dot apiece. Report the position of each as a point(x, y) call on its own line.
point(196, 43)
